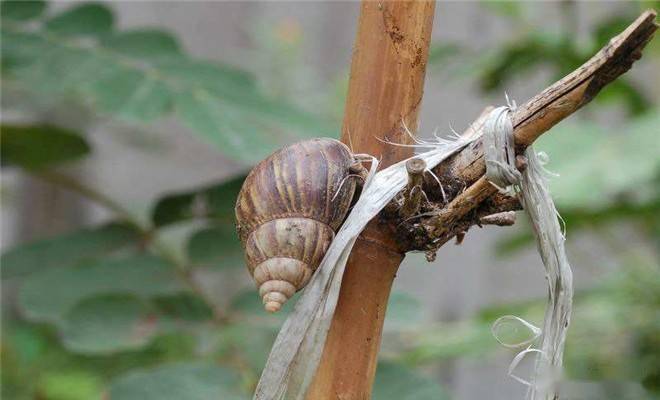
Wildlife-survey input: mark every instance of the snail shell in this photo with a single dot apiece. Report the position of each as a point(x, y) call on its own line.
point(288, 210)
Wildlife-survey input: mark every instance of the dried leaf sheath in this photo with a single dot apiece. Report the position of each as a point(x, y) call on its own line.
point(537, 202)
point(299, 345)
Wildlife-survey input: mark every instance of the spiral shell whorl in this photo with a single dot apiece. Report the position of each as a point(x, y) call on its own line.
point(288, 211)
point(301, 180)
point(278, 279)
point(286, 250)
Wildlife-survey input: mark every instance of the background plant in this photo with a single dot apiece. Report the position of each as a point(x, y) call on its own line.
point(120, 309)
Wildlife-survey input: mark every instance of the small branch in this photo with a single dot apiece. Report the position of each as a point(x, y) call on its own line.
point(449, 186)
point(504, 218)
point(537, 116)
point(498, 203)
point(414, 192)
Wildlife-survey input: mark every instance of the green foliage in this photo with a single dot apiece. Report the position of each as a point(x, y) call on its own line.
point(216, 247)
point(88, 19)
point(39, 146)
point(254, 341)
point(69, 385)
point(463, 339)
point(404, 312)
point(395, 381)
point(615, 179)
point(523, 57)
point(511, 9)
point(215, 202)
point(443, 53)
point(613, 333)
point(617, 165)
point(22, 10)
point(178, 381)
point(151, 44)
point(608, 176)
point(109, 313)
point(143, 74)
point(108, 323)
point(32, 354)
point(248, 304)
point(535, 50)
point(51, 294)
point(67, 250)
point(184, 306)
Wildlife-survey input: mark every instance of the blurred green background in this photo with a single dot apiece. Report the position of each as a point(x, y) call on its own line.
point(153, 302)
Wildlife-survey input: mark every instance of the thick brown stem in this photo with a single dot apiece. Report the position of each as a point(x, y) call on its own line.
point(385, 89)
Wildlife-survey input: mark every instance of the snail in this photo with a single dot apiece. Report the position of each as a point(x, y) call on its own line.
point(288, 211)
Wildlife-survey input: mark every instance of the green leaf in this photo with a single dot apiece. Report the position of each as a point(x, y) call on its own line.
point(190, 381)
point(621, 90)
point(252, 341)
point(610, 27)
point(513, 243)
point(449, 340)
point(88, 19)
point(40, 146)
point(522, 57)
point(603, 175)
point(219, 79)
point(442, 53)
point(575, 219)
point(48, 296)
point(17, 50)
point(248, 302)
point(397, 382)
point(183, 306)
point(76, 68)
point(215, 202)
point(248, 306)
point(70, 385)
point(143, 74)
point(598, 167)
point(107, 324)
point(131, 95)
point(404, 312)
point(216, 247)
point(509, 9)
point(22, 10)
point(246, 124)
point(222, 126)
point(143, 44)
point(66, 250)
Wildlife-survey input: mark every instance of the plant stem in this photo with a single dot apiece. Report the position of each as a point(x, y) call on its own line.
point(385, 91)
point(73, 185)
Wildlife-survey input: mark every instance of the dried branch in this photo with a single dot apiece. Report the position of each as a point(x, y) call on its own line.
point(414, 192)
point(504, 218)
point(462, 175)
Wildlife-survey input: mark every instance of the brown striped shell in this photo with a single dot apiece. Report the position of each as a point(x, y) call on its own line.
point(288, 210)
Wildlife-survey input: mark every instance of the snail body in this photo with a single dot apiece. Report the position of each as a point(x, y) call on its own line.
point(288, 211)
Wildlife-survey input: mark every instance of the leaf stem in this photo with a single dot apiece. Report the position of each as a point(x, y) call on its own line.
point(73, 185)
point(148, 233)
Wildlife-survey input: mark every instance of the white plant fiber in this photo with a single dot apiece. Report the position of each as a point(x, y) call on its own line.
point(295, 356)
point(537, 202)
